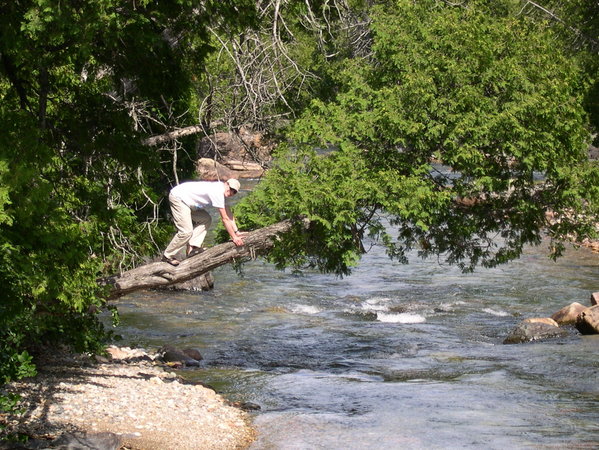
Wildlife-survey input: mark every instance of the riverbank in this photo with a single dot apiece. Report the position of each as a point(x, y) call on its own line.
point(113, 404)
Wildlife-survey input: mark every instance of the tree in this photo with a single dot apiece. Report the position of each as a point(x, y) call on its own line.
point(453, 128)
point(267, 75)
point(79, 192)
point(576, 23)
point(459, 136)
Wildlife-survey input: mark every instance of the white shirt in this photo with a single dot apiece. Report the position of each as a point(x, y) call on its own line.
point(198, 194)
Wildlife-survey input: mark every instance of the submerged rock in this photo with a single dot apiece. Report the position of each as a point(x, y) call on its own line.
point(246, 406)
point(533, 331)
point(568, 314)
point(588, 321)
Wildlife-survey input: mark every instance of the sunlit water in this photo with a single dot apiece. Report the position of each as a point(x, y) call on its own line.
point(391, 357)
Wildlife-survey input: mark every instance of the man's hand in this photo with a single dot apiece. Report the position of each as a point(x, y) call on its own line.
point(229, 224)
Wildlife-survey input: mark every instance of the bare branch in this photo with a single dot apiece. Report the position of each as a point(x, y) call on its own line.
point(179, 133)
point(578, 34)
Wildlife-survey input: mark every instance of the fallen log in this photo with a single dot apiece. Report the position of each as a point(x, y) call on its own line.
point(160, 274)
point(179, 133)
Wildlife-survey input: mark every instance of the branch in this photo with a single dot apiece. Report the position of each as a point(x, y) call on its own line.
point(551, 14)
point(160, 274)
point(172, 135)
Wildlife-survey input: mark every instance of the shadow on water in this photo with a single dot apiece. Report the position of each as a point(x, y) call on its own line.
point(392, 356)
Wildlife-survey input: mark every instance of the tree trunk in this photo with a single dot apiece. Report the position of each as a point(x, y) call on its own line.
point(160, 274)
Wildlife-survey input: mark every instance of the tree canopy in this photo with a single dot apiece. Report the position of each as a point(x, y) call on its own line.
point(81, 83)
point(456, 129)
point(463, 130)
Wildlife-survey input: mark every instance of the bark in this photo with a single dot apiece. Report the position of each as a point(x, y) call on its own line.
point(160, 274)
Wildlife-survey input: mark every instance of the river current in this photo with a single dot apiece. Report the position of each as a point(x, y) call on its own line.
point(391, 357)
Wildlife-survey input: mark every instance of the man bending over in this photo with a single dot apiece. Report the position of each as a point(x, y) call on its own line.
point(188, 201)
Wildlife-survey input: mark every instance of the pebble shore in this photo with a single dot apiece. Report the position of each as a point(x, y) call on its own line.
point(126, 405)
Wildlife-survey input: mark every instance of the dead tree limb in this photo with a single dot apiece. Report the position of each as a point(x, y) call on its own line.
point(160, 274)
point(172, 135)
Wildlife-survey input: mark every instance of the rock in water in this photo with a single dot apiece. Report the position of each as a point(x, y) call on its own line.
point(175, 355)
point(588, 321)
point(193, 353)
point(533, 331)
point(595, 298)
point(546, 320)
point(568, 314)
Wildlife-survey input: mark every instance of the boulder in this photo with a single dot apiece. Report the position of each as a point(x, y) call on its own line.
point(595, 298)
point(245, 144)
point(588, 321)
point(174, 355)
point(244, 154)
point(127, 354)
point(547, 320)
point(210, 170)
point(193, 353)
point(533, 331)
point(568, 314)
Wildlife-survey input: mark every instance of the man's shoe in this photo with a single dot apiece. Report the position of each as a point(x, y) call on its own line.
point(194, 251)
point(171, 261)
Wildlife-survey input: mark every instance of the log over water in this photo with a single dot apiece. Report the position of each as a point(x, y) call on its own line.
point(160, 274)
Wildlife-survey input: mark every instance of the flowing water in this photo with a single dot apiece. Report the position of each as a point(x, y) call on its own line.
point(393, 356)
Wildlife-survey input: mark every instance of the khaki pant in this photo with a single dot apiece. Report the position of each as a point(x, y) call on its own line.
point(185, 218)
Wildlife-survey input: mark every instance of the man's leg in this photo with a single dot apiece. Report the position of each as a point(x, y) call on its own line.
point(202, 222)
point(182, 218)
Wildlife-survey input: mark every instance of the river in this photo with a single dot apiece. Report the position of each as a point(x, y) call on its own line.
point(393, 356)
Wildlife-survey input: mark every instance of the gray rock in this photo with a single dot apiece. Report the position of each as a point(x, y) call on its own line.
point(193, 353)
point(533, 331)
point(175, 355)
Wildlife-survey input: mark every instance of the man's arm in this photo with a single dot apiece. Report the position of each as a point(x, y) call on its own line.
point(229, 224)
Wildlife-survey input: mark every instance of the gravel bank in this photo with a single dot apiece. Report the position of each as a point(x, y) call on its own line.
point(114, 404)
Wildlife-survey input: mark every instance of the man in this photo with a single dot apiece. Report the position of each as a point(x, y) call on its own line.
point(188, 201)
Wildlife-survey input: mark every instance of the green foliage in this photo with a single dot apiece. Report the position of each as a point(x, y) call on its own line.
point(79, 193)
point(9, 404)
point(464, 130)
point(451, 129)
